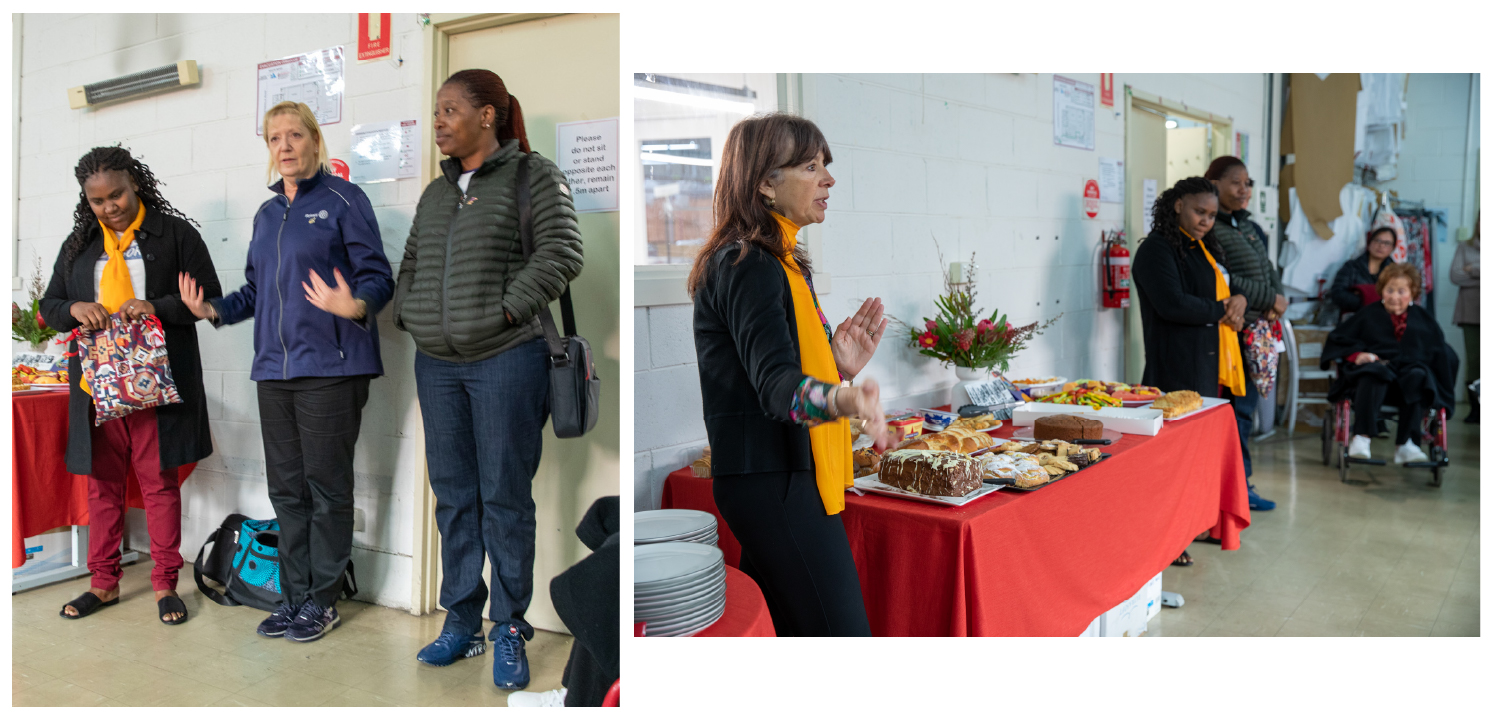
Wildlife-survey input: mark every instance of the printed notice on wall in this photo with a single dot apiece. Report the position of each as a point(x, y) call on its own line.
point(385, 151)
point(587, 156)
point(1110, 180)
point(1075, 114)
point(315, 78)
point(1150, 196)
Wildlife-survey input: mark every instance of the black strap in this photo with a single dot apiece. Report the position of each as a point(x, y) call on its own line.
point(349, 583)
point(565, 302)
point(196, 570)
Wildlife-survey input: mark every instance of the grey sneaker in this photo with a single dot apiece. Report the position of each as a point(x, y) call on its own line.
point(280, 620)
point(312, 622)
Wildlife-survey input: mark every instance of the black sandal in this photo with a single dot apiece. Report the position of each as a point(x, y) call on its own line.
point(85, 604)
point(1184, 560)
point(171, 604)
point(1211, 540)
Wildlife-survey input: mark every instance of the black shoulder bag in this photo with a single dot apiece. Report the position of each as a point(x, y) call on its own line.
point(573, 387)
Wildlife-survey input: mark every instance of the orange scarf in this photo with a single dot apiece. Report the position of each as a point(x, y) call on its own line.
point(1232, 372)
point(832, 442)
point(116, 287)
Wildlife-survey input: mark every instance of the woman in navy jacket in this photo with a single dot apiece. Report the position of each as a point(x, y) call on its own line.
point(316, 277)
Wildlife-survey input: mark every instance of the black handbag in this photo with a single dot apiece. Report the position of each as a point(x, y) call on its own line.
point(573, 387)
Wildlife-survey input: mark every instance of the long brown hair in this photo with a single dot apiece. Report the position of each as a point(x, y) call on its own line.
point(757, 148)
point(483, 88)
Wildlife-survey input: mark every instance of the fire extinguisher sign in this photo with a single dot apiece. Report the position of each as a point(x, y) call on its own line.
point(1093, 198)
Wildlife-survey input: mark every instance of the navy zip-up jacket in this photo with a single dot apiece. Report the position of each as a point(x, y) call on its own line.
point(329, 225)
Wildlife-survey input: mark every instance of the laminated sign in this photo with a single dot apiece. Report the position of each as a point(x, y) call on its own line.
point(587, 155)
point(316, 79)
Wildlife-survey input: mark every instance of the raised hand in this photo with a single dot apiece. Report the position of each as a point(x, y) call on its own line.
point(856, 339)
point(194, 297)
point(335, 300)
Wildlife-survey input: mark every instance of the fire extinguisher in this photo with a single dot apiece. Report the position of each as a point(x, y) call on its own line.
point(1116, 270)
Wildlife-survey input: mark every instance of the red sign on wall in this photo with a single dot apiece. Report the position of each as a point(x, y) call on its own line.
point(340, 169)
point(374, 36)
point(1107, 83)
point(1093, 198)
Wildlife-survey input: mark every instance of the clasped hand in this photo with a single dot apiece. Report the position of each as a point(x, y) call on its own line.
point(1235, 312)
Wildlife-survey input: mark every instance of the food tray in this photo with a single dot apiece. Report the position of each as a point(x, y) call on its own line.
point(1012, 488)
point(1031, 386)
point(48, 387)
point(1027, 433)
point(1204, 404)
point(870, 483)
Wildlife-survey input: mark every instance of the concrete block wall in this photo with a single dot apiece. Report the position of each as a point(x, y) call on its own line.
point(964, 162)
point(201, 142)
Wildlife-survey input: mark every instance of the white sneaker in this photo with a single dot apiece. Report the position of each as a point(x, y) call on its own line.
point(1409, 453)
point(1359, 447)
point(552, 698)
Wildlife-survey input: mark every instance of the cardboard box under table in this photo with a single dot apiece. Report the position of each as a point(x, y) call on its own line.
point(1042, 563)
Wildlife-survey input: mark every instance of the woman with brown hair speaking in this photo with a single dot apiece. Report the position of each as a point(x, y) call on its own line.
point(776, 380)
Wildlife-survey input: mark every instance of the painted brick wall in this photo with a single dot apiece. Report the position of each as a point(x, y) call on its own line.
point(201, 143)
point(964, 161)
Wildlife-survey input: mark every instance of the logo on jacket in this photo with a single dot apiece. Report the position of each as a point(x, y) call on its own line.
point(322, 215)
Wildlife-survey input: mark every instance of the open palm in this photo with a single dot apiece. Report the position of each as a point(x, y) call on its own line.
point(856, 339)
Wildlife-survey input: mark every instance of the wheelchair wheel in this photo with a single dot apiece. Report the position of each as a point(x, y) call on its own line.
point(1328, 435)
point(1436, 454)
point(1343, 460)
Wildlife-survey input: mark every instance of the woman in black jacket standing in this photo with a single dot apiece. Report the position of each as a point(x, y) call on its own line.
point(124, 254)
point(471, 302)
point(1189, 317)
point(1354, 284)
point(770, 368)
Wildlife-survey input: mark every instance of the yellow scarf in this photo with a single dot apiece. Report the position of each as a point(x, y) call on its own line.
point(116, 287)
point(1232, 373)
point(832, 442)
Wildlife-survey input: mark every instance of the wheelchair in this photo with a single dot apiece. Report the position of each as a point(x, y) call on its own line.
point(1337, 431)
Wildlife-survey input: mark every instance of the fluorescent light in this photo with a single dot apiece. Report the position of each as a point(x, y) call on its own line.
point(675, 159)
point(740, 107)
point(1171, 124)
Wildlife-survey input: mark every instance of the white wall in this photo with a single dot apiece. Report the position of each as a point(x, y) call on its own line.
point(970, 161)
point(200, 141)
point(1440, 132)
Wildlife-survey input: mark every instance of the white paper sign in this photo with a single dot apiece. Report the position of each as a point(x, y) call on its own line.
point(1075, 114)
point(1110, 180)
point(315, 78)
point(1150, 196)
point(385, 151)
point(588, 158)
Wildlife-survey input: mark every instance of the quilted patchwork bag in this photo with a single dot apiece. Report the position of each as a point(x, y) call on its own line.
point(125, 367)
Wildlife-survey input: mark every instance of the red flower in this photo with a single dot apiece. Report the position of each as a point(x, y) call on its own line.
point(964, 339)
point(930, 326)
point(983, 325)
point(40, 322)
point(929, 339)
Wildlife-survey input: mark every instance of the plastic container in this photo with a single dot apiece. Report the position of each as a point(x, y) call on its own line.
point(905, 428)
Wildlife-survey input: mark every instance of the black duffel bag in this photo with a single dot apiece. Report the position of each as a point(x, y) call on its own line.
point(244, 560)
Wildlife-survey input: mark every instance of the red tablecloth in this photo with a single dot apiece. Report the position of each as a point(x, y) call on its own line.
point(43, 494)
point(1042, 563)
point(745, 614)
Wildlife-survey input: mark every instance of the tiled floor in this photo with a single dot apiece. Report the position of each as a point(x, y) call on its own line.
point(123, 656)
point(1392, 557)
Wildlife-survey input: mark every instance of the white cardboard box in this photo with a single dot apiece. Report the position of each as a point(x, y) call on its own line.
point(1128, 619)
point(1131, 421)
point(47, 551)
point(1092, 630)
point(1152, 595)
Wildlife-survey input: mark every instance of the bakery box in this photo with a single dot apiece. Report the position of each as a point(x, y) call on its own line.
point(1131, 421)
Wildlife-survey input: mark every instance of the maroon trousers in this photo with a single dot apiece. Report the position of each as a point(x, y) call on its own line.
point(118, 445)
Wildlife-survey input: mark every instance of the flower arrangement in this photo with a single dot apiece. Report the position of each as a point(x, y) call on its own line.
point(29, 327)
point(957, 336)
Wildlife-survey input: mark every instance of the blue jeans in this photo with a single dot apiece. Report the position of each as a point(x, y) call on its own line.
point(483, 435)
point(1244, 408)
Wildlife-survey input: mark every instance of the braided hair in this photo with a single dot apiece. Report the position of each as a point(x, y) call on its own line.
point(1166, 220)
point(101, 159)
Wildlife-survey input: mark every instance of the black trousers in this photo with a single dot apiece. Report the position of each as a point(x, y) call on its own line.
point(1405, 392)
point(310, 428)
point(795, 551)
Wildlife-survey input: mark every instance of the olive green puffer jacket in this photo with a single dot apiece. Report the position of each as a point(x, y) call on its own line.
point(463, 270)
point(1252, 274)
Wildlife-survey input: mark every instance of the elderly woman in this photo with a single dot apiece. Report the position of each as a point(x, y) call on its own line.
point(471, 302)
point(1189, 315)
point(1252, 276)
point(126, 248)
point(777, 380)
point(1392, 351)
point(1354, 284)
point(315, 353)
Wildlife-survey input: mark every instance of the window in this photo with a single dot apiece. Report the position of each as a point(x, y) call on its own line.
point(681, 123)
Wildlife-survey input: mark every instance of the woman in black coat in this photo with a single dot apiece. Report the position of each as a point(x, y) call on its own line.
point(155, 243)
point(1347, 292)
point(1392, 351)
point(770, 368)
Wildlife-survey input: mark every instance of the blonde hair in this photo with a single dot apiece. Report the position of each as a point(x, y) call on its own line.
point(307, 118)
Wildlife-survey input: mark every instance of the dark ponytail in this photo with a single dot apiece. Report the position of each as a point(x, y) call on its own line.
point(482, 88)
point(1166, 221)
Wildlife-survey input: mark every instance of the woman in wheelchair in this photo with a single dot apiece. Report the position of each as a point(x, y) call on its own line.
point(1392, 351)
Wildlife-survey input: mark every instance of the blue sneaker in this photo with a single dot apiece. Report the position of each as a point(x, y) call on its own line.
point(449, 647)
point(509, 667)
point(282, 617)
point(1258, 502)
point(313, 622)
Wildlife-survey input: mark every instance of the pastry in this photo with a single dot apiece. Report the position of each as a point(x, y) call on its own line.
point(1031, 476)
point(865, 462)
point(930, 472)
point(703, 466)
point(1066, 427)
point(1177, 403)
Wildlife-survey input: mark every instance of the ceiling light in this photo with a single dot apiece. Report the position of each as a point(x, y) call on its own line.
point(739, 107)
point(1171, 124)
point(165, 77)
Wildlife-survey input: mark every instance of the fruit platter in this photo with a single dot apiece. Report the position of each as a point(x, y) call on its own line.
point(26, 378)
point(1099, 394)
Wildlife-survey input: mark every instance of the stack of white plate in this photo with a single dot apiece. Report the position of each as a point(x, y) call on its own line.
point(659, 526)
point(679, 587)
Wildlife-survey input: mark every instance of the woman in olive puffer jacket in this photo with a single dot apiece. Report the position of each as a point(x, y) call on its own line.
point(470, 300)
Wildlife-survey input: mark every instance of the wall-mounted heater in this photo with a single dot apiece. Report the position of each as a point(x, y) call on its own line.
point(165, 77)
